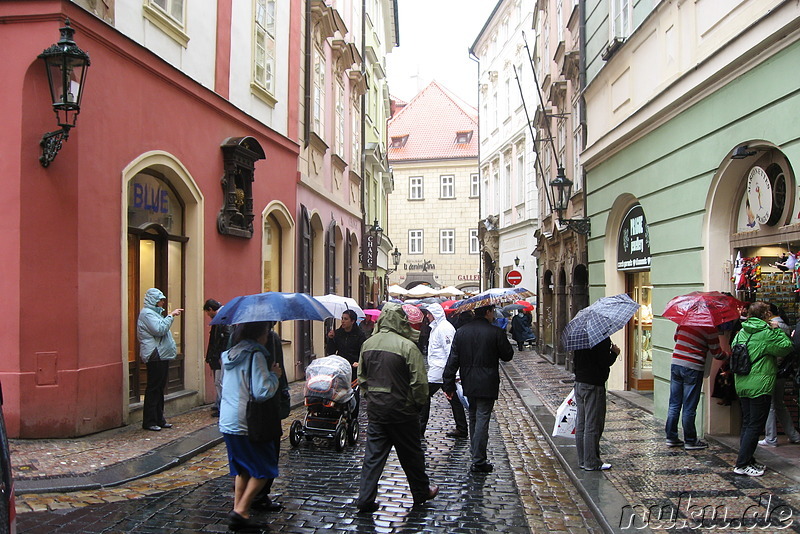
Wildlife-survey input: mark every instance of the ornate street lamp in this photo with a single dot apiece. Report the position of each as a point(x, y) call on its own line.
point(395, 260)
point(66, 66)
point(561, 188)
point(375, 230)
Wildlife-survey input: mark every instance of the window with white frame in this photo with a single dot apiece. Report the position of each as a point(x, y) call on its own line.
point(415, 241)
point(474, 243)
point(318, 96)
point(559, 21)
point(520, 175)
point(474, 185)
point(355, 135)
point(447, 241)
point(338, 144)
point(496, 185)
point(172, 8)
point(264, 39)
point(485, 193)
point(507, 99)
point(495, 111)
point(447, 186)
point(620, 19)
point(507, 183)
point(415, 191)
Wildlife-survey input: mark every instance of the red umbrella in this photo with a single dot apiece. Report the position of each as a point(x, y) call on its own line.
point(703, 308)
point(527, 306)
point(446, 306)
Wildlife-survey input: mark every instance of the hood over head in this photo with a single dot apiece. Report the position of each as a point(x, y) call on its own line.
point(152, 296)
point(393, 319)
point(438, 314)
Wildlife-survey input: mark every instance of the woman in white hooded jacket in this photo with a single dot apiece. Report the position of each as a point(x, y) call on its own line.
point(441, 338)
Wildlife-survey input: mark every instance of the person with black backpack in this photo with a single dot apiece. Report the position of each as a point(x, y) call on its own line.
point(762, 345)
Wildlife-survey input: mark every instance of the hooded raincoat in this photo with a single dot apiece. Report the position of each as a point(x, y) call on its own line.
point(391, 369)
point(765, 345)
point(245, 364)
point(153, 329)
point(441, 338)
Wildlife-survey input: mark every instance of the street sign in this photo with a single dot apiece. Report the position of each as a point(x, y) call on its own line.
point(514, 277)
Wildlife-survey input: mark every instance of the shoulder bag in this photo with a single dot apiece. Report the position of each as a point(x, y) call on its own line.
point(263, 418)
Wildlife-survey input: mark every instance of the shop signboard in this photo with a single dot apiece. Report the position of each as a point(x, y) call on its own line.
point(369, 254)
point(633, 246)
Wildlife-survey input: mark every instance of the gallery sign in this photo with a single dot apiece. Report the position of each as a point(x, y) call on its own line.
point(633, 246)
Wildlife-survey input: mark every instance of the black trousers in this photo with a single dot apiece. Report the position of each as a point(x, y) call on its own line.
point(404, 436)
point(459, 414)
point(153, 409)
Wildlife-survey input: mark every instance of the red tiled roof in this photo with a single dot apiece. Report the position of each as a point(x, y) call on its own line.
point(431, 121)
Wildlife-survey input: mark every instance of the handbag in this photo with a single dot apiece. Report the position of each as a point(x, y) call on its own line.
point(263, 418)
point(788, 366)
point(724, 388)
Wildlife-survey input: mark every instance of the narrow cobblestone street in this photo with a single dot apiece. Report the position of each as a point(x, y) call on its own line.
point(527, 492)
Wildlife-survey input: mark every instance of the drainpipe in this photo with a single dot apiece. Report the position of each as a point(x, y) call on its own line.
point(581, 87)
point(307, 80)
point(477, 60)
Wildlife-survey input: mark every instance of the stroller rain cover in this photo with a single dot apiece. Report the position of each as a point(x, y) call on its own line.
point(329, 378)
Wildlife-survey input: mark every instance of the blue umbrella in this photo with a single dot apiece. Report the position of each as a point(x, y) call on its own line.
point(271, 306)
point(598, 321)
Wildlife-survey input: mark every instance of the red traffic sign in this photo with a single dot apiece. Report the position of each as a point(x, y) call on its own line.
point(514, 277)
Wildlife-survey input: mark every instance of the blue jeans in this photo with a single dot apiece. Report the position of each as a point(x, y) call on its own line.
point(684, 394)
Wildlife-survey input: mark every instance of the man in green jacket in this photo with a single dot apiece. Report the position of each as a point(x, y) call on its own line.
point(392, 376)
point(764, 345)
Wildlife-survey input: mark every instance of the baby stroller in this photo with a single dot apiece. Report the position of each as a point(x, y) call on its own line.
point(330, 403)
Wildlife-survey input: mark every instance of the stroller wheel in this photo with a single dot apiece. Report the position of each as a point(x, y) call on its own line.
point(352, 432)
point(295, 432)
point(340, 438)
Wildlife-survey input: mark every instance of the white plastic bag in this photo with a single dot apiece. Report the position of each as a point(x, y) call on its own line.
point(565, 417)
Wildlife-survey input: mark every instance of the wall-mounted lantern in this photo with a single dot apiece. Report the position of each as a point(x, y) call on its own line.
point(66, 66)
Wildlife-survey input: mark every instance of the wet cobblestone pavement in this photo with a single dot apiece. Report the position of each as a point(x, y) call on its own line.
point(527, 492)
point(655, 479)
point(666, 490)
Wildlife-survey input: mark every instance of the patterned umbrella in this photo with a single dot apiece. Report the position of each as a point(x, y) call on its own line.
point(413, 313)
point(493, 297)
point(598, 321)
point(703, 308)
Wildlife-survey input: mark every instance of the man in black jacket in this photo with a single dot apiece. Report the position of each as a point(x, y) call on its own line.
point(217, 344)
point(346, 341)
point(477, 349)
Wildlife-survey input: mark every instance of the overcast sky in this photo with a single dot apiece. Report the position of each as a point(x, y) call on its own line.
point(435, 36)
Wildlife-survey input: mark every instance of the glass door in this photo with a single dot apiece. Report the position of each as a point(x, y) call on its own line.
point(639, 357)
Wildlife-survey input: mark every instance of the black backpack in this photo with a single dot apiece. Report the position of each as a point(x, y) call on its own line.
point(740, 362)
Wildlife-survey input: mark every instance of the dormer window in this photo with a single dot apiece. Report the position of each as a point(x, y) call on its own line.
point(399, 142)
point(463, 138)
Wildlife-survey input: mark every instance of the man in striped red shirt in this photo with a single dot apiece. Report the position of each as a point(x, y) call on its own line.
point(692, 345)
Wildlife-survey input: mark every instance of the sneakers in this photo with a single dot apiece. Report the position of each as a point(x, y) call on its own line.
point(758, 465)
point(765, 443)
point(154, 428)
point(166, 425)
point(697, 445)
point(603, 467)
point(674, 442)
point(749, 470)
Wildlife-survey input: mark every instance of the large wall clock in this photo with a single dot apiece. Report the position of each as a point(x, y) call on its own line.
point(759, 194)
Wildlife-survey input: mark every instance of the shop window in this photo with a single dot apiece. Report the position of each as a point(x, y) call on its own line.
point(236, 216)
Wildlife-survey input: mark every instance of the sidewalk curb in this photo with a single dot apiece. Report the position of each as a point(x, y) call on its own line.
point(601, 496)
point(150, 463)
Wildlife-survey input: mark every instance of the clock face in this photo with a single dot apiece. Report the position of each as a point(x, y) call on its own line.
point(759, 194)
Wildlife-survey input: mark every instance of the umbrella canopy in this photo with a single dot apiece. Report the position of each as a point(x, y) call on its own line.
point(493, 297)
point(703, 308)
point(413, 313)
point(396, 291)
point(507, 310)
point(336, 305)
point(598, 321)
point(271, 306)
point(527, 306)
point(422, 291)
point(372, 313)
point(451, 291)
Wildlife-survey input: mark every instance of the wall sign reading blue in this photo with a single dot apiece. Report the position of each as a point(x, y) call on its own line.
point(151, 200)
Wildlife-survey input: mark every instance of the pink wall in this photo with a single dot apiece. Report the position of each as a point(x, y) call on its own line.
point(62, 228)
